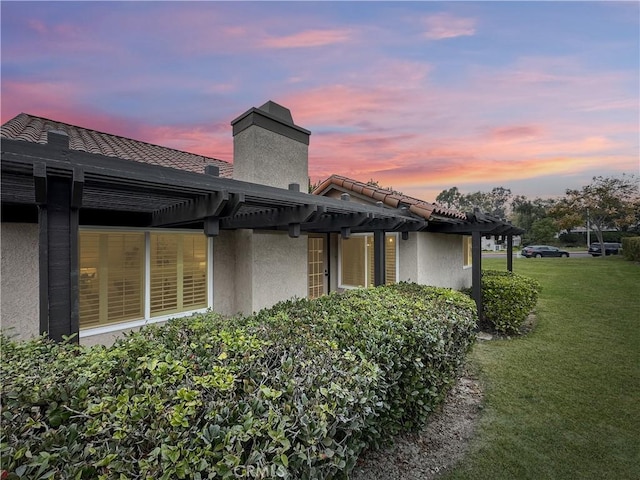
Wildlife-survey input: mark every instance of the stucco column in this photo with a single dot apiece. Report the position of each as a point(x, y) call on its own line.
point(269, 149)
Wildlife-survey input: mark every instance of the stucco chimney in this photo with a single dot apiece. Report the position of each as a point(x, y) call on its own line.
point(268, 148)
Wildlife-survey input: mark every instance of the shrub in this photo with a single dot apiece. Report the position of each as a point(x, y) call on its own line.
point(297, 391)
point(631, 248)
point(417, 335)
point(507, 299)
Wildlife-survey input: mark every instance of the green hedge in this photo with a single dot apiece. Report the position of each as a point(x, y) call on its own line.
point(418, 336)
point(507, 299)
point(631, 248)
point(297, 391)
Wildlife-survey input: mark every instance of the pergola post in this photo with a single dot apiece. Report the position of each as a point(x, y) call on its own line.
point(378, 258)
point(510, 253)
point(476, 270)
point(59, 263)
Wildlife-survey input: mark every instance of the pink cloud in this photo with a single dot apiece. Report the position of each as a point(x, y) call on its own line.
point(37, 26)
point(213, 140)
point(444, 25)
point(309, 38)
point(515, 132)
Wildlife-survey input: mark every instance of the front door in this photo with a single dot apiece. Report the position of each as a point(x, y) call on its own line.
point(317, 272)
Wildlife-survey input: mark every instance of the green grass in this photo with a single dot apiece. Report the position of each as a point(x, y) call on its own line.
point(563, 402)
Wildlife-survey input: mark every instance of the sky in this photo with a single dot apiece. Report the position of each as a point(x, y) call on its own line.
point(537, 97)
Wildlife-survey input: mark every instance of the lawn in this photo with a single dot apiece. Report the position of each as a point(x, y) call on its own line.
point(563, 402)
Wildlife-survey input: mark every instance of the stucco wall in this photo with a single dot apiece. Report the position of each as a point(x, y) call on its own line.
point(268, 158)
point(224, 278)
point(440, 261)
point(19, 292)
point(243, 273)
point(254, 270)
point(279, 269)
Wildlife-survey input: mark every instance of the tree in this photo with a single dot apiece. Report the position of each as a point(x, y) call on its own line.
point(525, 213)
point(449, 198)
point(495, 203)
point(376, 184)
point(543, 230)
point(607, 202)
point(500, 198)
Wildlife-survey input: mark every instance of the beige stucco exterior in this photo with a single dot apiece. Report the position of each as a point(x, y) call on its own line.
point(426, 258)
point(19, 276)
point(434, 259)
point(267, 267)
point(269, 158)
point(224, 278)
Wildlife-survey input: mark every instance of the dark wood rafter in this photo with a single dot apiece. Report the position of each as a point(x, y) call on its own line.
point(77, 187)
point(235, 202)
point(209, 205)
point(270, 218)
point(40, 183)
point(173, 197)
point(335, 223)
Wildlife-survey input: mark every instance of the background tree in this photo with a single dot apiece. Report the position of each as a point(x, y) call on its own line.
point(495, 202)
point(543, 230)
point(525, 213)
point(450, 198)
point(608, 202)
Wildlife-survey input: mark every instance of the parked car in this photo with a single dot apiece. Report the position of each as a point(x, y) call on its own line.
point(609, 249)
point(543, 251)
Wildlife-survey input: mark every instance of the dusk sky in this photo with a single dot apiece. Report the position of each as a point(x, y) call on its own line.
point(420, 96)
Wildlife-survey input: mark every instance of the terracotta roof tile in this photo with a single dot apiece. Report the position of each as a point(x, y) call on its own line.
point(30, 128)
point(389, 198)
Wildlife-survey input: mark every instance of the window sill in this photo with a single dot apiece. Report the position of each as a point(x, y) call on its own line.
point(117, 327)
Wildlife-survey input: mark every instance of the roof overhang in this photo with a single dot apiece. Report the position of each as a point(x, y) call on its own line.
point(165, 197)
point(476, 222)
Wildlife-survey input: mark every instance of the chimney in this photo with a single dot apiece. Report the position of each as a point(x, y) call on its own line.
point(269, 149)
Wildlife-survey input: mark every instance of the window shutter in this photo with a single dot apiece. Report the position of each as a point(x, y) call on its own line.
point(89, 282)
point(164, 273)
point(194, 276)
point(111, 277)
point(390, 259)
point(178, 273)
point(353, 261)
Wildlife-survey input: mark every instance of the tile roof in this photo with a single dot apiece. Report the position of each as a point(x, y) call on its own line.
point(30, 128)
point(419, 207)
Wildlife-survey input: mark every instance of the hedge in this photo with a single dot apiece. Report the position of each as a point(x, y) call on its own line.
point(297, 391)
point(631, 248)
point(507, 299)
point(418, 336)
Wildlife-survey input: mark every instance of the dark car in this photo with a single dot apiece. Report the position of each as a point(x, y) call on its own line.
point(543, 251)
point(609, 249)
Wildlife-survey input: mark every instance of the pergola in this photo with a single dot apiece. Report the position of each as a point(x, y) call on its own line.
point(62, 188)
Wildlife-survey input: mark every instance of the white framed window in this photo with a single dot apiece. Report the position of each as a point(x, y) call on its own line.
point(467, 256)
point(129, 278)
point(356, 260)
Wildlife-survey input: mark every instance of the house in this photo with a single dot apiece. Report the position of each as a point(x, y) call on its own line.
point(496, 244)
point(102, 233)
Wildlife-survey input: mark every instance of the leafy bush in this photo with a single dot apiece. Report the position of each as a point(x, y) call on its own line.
point(631, 248)
point(507, 299)
point(294, 392)
point(572, 239)
point(417, 335)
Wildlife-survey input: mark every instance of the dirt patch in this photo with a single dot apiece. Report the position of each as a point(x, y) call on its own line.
point(439, 446)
